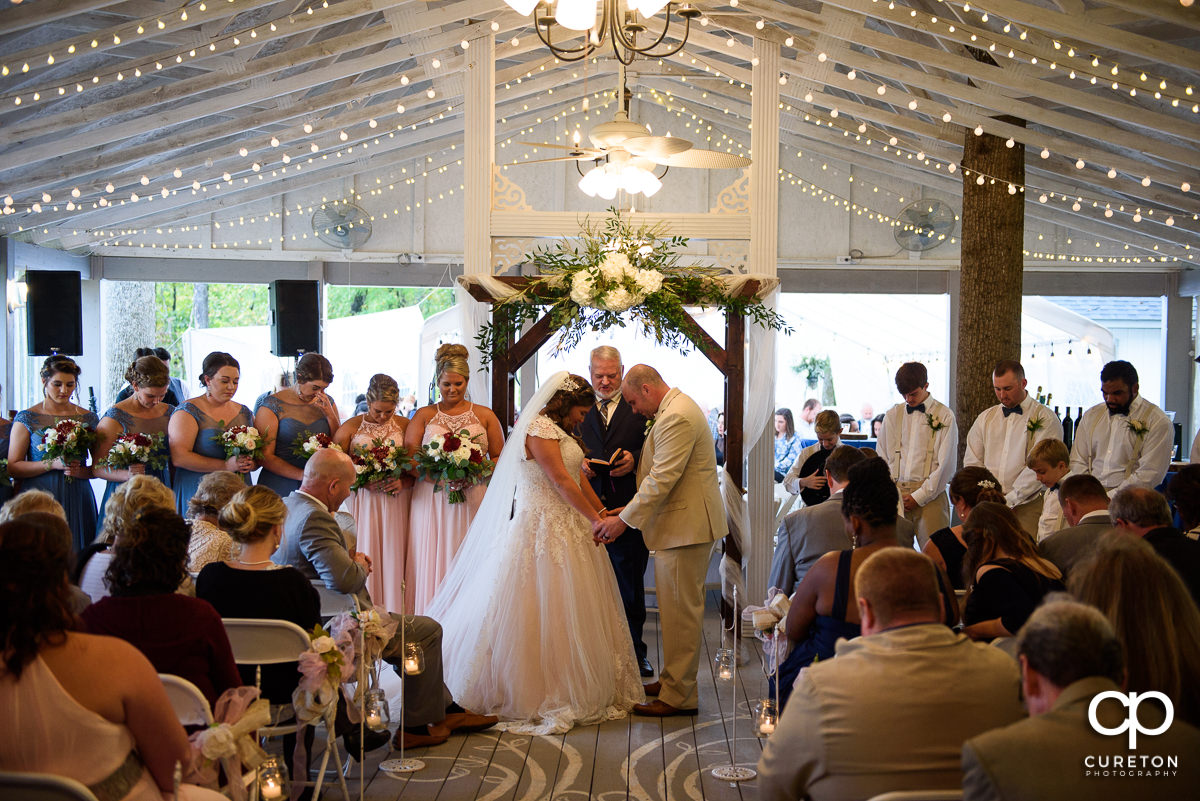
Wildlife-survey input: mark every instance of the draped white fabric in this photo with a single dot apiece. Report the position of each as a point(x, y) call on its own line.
point(472, 315)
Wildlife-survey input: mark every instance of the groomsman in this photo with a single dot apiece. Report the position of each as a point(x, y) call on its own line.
point(1002, 436)
point(679, 508)
point(611, 429)
point(919, 441)
point(1125, 441)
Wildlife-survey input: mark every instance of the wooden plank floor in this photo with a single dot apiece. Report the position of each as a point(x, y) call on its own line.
point(648, 759)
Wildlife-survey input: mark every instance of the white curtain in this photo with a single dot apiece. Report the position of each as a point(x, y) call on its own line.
point(472, 315)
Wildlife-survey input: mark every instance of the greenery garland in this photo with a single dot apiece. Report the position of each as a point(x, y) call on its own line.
point(621, 275)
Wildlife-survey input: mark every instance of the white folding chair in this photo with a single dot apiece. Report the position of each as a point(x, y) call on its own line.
point(41, 787)
point(276, 642)
point(919, 795)
point(190, 705)
point(334, 602)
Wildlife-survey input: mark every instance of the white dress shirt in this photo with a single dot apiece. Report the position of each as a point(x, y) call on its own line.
point(1002, 445)
point(791, 481)
point(1052, 518)
point(1106, 448)
point(914, 452)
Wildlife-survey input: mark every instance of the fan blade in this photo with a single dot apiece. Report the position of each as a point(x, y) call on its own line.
point(584, 157)
point(656, 147)
point(704, 160)
point(595, 152)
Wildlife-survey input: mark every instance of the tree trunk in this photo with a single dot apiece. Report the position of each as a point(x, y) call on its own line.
point(200, 306)
point(993, 225)
point(127, 315)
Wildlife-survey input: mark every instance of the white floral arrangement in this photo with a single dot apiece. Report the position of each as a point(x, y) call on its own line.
point(454, 462)
point(242, 441)
point(1139, 428)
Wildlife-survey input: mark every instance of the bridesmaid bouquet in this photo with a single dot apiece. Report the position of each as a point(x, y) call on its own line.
point(136, 448)
point(308, 443)
point(242, 441)
point(69, 440)
point(379, 461)
point(453, 462)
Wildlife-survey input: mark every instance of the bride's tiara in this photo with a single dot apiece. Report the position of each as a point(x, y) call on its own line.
point(570, 384)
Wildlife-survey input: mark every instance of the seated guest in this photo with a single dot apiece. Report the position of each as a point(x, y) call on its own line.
point(849, 424)
point(1154, 617)
point(1085, 508)
point(76, 705)
point(947, 546)
point(1069, 654)
point(124, 504)
point(1183, 490)
point(807, 534)
point(807, 475)
point(845, 731)
point(1050, 461)
point(178, 634)
point(719, 439)
point(876, 426)
point(823, 609)
point(1007, 578)
point(314, 545)
point(209, 543)
point(31, 501)
point(1144, 512)
point(787, 442)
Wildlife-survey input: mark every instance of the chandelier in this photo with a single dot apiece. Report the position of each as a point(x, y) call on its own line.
point(619, 21)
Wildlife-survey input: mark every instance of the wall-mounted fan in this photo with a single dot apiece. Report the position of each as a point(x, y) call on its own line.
point(342, 225)
point(924, 224)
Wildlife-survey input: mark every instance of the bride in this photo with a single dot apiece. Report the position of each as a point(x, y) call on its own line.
point(533, 628)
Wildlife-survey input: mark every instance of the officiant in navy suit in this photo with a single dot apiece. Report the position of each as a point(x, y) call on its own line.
point(611, 429)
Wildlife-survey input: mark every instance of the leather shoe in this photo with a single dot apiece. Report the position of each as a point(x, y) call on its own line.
point(645, 666)
point(370, 741)
point(653, 688)
point(661, 709)
point(467, 722)
point(410, 740)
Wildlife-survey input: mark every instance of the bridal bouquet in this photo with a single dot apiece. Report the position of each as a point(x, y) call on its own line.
point(308, 443)
point(242, 441)
point(379, 461)
point(68, 440)
point(136, 448)
point(453, 462)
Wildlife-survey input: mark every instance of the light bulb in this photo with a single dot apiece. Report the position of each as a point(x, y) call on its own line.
point(576, 15)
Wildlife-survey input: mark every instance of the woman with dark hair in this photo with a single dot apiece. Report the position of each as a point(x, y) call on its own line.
point(76, 705)
point(381, 509)
point(1183, 490)
point(824, 607)
point(144, 412)
point(1006, 578)
point(947, 547)
point(196, 425)
point(876, 426)
point(787, 444)
point(291, 414)
point(68, 482)
point(533, 629)
point(178, 634)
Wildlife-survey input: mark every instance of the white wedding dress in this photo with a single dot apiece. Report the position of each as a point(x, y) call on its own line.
point(533, 627)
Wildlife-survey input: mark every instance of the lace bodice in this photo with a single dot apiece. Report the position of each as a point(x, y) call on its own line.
point(442, 423)
point(538, 500)
point(368, 432)
point(38, 422)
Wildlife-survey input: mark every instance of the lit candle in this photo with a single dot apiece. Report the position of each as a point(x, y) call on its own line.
point(374, 719)
point(271, 790)
point(725, 672)
point(412, 666)
point(767, 727)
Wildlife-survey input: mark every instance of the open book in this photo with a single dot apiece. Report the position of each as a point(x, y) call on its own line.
point(602, 467)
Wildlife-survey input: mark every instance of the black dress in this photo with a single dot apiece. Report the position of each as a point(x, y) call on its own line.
point(953, 552)
point(1011, 593)
point(283, 594)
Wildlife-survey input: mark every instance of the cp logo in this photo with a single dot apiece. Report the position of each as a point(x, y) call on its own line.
point(1131, 723)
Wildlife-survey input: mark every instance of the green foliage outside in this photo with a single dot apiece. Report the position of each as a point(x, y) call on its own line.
point(815, 369)
point(347, 301)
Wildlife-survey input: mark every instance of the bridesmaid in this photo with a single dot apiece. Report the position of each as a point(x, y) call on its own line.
point(439, 527)
point(196, 424)
point(6, 488)
point(60, 379)
point(290, 412)
point(143, 412)
point(382, 518)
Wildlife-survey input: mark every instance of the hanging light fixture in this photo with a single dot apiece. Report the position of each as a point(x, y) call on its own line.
point(621, 22)
point(620, 173)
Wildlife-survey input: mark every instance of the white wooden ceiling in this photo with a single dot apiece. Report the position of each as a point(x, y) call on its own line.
point(221, 104)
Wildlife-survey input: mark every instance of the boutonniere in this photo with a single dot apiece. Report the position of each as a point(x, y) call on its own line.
point(649, 425)
point(1138, 427)
point(935, 425)
point(1035, 425)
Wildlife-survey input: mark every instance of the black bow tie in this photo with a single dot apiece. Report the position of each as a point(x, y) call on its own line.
point(920, 407)
point(1119, 410)
point(1056, 487)
point(1014, 410)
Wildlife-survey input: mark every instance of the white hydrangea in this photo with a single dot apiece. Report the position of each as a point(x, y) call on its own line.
point(619, 299)
point(648, 281)
point(582, 288)
point(323, 644)
point(615, 266)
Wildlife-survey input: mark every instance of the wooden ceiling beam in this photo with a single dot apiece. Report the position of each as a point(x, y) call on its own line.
point(20, 18)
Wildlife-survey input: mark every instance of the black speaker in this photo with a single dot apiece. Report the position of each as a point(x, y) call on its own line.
point(295, 317)
point(54, 312)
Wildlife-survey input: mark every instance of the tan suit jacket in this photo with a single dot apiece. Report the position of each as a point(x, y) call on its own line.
point(678, 501)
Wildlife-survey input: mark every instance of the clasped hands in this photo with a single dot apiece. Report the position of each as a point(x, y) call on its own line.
point(607, 529)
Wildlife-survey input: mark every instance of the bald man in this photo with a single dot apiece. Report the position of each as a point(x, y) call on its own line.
point(679, 510)
point(314, 544)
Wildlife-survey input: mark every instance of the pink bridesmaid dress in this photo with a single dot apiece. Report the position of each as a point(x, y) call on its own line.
point(437, 527)
point(382, 523)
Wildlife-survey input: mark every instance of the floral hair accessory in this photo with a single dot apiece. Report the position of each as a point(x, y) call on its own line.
point(570, 384)
point(986, 484)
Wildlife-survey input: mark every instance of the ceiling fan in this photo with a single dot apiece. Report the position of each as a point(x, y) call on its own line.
point(625, 154)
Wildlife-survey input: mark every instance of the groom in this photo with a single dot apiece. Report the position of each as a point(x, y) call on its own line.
point(679, 510)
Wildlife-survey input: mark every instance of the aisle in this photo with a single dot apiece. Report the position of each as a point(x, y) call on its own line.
point(637, 758)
